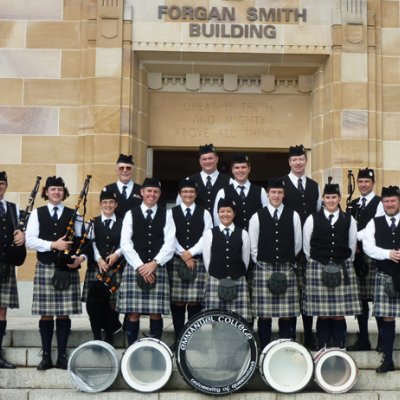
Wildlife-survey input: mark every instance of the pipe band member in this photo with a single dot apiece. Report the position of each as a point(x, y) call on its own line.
point(276, 239)
point(9, 234)
point(147, 243)
point(46, 234)
point(331, 291)
point(382, 242)
point(226, 255)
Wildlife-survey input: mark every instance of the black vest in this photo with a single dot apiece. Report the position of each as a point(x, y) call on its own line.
point(107, 240)
point(330, 242)
point(50, 230)
point(226, 255)
point(134, 199)
point(276, 239)
point(247, 207)
point(364, 216)
point(7, 228)
point(148, 238)
point(206, 198)
point(188, 232)
point(305, 204)
point(386, 239)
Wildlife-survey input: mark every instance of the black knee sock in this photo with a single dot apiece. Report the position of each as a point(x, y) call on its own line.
point(3, 325)
point(379, 321)
point(323, 332)
point(178, 318)
point(362, 320)
point(132, 330)
point(264, 331)
point(293, 326)
point(339, 332)
point(46, 328)
point(286, 328)
point(63, 328)
point(193, 309)
point(156, 328)
point(388, 336)
point(307, 325)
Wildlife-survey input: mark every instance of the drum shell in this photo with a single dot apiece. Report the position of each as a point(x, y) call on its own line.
point(335, 370)
point(284, 361)
point(100, 353)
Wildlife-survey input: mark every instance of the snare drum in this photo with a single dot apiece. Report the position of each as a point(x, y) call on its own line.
point(286, 366)
point(335, 370)
point(93, 366)
point(217, 352)
point(147, 365)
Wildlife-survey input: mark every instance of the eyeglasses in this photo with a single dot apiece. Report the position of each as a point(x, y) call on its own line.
point(188, 191)
point(126, 168)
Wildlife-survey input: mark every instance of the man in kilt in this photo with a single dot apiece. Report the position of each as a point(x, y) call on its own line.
point(331, 290)
point(276, 239)
point(46, 233)
point(382, 242)
point(363, 209)
point(105, 257)
point(8, 282)
point(147, 242)
point(302, 194)
point(187, 273)
point(127, 191)
point(226, 255)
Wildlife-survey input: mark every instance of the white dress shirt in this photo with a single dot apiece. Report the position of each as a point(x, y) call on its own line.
point(129, 187)
point(295, 180)
point(379, 212)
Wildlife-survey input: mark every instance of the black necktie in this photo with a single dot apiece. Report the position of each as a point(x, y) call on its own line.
point(54, 217)
point(300, 186)
point(241, 194)
point(330, 218)
point(124, 193)
point(363, 201)
point(148, 218)
point(393, 225)
point(2, 210)
point(208, 184)
point(188, 213)
point(107, 223)
point(276, 219)
point(227, 233)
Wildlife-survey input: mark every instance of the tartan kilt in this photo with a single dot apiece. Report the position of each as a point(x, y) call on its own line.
point(320, 300)
point(49, 301)
point(9, 292)
point(132, 299)
point(183, 291)
point(264, 303)
point(366, 285)
point(241, 305)
point(383, 305)
point(91, 277)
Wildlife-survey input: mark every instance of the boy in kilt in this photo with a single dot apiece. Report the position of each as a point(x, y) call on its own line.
point(46, 233)
point(363, 209)
point(8, 282)
point(302, 194)
point(331, 290)
point(276, 239)
point(127, 191)
point(106, 255)
point(226, 255)
point(147, 242)
point(187, 289)
point(382, 242)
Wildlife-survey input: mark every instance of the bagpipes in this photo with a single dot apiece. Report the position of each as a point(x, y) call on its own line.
point(351, 187)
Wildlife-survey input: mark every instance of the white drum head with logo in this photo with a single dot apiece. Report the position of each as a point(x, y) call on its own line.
point(286, 366)
point(93, 366)
point(335, 370)
point(147, 365)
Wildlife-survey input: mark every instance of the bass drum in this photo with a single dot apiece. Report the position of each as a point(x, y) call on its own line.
point(217, 352)
point(286, 366)
point(147, 365)
point(93, 366)
point(335, 370)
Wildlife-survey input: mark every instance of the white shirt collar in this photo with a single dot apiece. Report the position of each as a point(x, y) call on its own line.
point(237, 184)
point(231, 227)
point(272, 209)
point(327, 213)
point(295, 179)
point(145, 208)
point(389, 219)
point(369, 197)
point(129, 186)
point(214, 176)
point(184, 207)
point(103, 217)
point(60, 208)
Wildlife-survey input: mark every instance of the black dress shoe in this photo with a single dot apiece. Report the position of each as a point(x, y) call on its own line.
point(62, 362)
point(359, 346)
point(386, 366)
point(4, 364)
point(46, 363)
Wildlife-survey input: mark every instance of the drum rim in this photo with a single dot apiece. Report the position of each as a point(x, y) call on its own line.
point(348, 385)
point(155, 344)
point(114, 356)
point(266, 355)
point(185, 371)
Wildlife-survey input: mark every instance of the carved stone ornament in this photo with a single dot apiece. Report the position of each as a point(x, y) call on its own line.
point(355, 33)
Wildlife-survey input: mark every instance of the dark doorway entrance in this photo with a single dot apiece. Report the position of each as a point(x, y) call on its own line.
point(170, 166)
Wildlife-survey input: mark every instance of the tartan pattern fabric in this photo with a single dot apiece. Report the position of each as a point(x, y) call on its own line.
point(264, 303)
point(49, 301)
point(366, 285)
point(187, 292)
point(320, 300)
point(383, 305)
point(132, 299)
point(241, 305)
point(9, 292)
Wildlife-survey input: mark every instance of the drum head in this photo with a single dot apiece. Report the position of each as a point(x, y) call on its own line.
point(217, 352)
point(93, 366)
point(286, 366)
point(335, 370)
point(147, 365)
